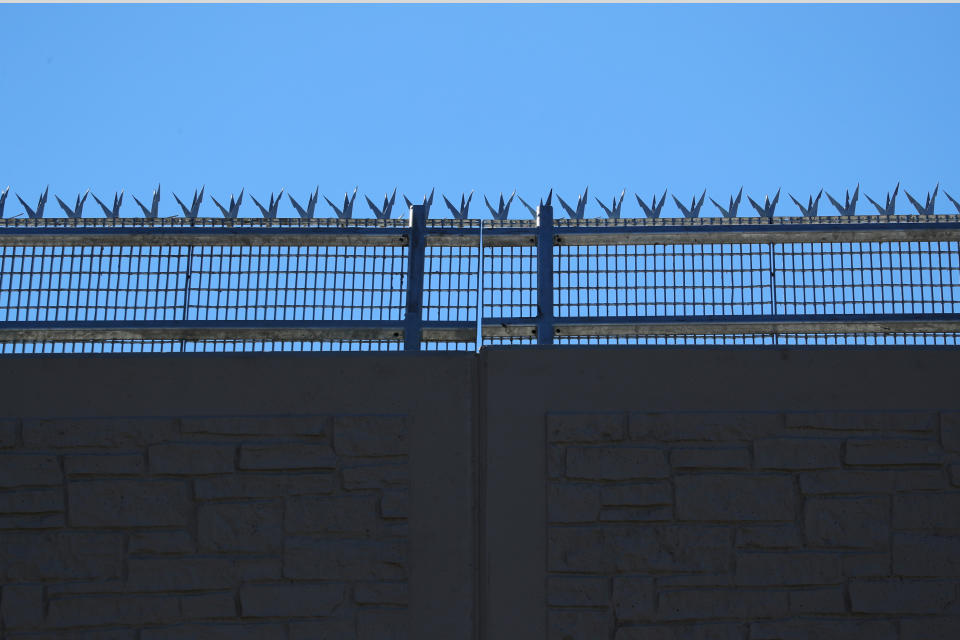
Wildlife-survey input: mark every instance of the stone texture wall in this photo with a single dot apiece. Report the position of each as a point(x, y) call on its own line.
point(215, 527)
point(753, 526)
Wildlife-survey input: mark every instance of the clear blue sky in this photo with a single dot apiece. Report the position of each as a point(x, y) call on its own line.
point(485, 97)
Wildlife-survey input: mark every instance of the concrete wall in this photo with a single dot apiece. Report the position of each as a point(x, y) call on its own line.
point(618, 493)
point(237, 497)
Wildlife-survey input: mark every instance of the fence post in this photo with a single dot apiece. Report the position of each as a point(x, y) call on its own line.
point(416, 257)
point(545, 274)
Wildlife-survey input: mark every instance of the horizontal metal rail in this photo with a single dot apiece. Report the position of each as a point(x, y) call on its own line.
point(627, 232)
point(466, 332)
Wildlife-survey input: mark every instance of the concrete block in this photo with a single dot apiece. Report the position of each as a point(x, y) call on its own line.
point(8, 433)
point(631, 549)
point(563, 624)
point(930, 512)
point(925, 555)
point(391, 593)
point(586, 427)
point(320, 558)
point(616, 463)
point(712, 458)
point(633, 598)
point(735, 497)
point(890, 452)
point(701, 631)
point(159, 542)
point(206, 606)
point(793, 454)
point(827, 629)
point(741, 604)
point(383, 624)
point(21, 605)
point(264, 486)
point(395, 504)
point(767, 536)
point(326, 629)
point(31, 501)
point(788, 569)
point(649, 494)
point(698, 426)
point(113, 609)
point(176, 458)
point(129, 503)
point(254, 526)
point(370, 435)
point(193, 573)
point(375, 476)
point(950, 431)
point(286, 456)
point(867, 565)
point(819, 601)
point(218, 631)
point(578, 591)
point(353, 516)
point(106, 433)
point(104, 464)
point(851, 523)
point(893, 596)
point(315, 426)
point(927, 628)
point(290, 600)
point(29, 469)
point(60, 555)
point(570, 502)
point(865, 421)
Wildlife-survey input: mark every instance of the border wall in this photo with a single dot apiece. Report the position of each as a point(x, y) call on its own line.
point(677, 493)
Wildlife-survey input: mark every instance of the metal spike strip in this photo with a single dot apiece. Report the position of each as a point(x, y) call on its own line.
point(653, 210)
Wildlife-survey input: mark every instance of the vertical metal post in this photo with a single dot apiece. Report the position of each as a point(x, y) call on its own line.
point(545, 274)
point(186, 293)
point(480, 292)
point(416, 257)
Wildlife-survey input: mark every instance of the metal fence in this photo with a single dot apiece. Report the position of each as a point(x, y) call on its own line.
point(243, 284)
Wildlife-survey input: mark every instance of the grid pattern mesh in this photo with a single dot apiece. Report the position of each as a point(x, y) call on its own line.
point(662, 280)
point(144, 283)
point(867, 277)
point(346, 283)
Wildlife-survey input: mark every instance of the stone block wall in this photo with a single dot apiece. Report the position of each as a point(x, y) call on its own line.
point(753, 526)
point(240, 527)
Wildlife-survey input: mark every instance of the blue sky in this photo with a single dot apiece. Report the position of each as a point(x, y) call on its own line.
point(485, 97)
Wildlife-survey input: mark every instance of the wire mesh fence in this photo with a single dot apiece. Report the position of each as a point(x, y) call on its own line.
point(354, 285)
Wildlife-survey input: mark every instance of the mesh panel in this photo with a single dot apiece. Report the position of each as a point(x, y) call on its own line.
point(662, 280)
point(867, 277)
